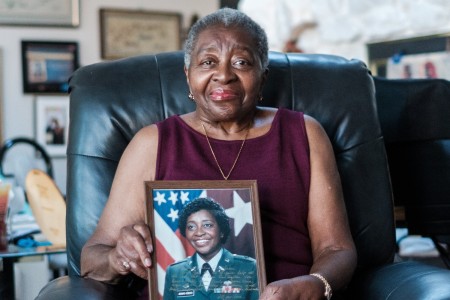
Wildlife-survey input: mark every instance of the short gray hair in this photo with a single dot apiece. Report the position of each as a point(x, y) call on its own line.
point(228, 17)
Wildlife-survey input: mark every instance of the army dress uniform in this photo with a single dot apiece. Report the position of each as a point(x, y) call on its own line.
point(234, 278)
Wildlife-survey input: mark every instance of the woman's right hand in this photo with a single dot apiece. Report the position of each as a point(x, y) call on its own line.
point(122, 243)
point(132, 251)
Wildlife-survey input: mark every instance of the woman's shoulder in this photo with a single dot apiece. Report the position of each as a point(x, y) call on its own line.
point(265, 112)
point(308, 119)
point(244, 259)
point(183, 263)
point(241, 259)
point(271, 112)
point(313, 125)
point(145, 140)
point(147, 133)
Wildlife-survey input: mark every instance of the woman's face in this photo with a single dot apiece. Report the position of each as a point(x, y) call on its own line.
point(203, 233)
point(225, 75)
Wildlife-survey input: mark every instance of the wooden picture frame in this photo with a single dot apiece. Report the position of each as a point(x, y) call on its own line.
point(127, 33)
point(239, 199)
point(59, 13)
point(52, 124)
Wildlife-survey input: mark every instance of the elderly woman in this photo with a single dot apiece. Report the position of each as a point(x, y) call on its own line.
point(308, 247)
point(213, 270)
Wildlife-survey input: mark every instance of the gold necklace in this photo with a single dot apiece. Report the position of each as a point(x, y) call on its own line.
point(214, 155)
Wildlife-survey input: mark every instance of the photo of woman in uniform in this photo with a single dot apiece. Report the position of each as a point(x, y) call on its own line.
point(212, 272)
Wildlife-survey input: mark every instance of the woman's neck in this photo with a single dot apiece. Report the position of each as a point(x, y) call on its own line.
point(225, 129)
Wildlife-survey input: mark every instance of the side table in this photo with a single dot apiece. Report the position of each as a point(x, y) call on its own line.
point(12, 255)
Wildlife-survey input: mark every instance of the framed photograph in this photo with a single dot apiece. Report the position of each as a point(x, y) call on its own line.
point(133, 32)
point(52, 124)
point(47, 66)
point(382, 55)
point(426, 65)
point(40, 12)
point(198, 222)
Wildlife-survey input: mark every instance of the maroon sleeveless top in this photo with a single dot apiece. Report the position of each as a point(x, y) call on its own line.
point(278, 160)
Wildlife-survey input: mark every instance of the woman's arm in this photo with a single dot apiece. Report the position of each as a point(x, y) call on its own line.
point(122, 241)
point(333, 249)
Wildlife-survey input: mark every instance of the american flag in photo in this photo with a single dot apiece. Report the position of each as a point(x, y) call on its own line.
point(171, 246)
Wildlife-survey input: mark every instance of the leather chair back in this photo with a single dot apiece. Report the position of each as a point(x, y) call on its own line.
point(111, 101)
point(415, 120)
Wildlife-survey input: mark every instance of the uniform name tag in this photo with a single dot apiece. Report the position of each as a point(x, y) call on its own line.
point(186, 293)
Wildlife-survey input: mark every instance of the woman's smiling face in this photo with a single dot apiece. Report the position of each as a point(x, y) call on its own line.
point(203, 233)
point(225, 74)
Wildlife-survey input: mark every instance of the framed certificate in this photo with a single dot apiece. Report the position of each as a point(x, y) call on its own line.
point(40, 13)
point(195, 223)
point(133, 32)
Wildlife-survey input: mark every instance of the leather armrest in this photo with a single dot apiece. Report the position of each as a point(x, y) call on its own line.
point(403, 280)
point(77, 288)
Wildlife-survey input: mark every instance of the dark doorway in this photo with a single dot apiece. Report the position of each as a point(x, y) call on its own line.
point(229, 3)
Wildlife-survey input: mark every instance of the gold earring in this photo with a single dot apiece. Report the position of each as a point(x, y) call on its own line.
point(191, 96)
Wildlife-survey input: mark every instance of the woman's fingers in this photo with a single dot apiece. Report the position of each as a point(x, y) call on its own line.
point(120, 262)
point(133, 249)
point(144, 249)
point(139, 270)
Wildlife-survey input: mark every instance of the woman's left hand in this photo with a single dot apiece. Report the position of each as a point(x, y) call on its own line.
point(298, 288)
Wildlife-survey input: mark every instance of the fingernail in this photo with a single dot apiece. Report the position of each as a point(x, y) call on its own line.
point(149, 249)
point(148, 262)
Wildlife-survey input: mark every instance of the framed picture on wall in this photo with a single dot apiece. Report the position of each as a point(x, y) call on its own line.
point(194, 222)
point(52, 124)
point(40, 12)
point(382, 53)
point(133, 32)
point(47, 66)
point(426, 65)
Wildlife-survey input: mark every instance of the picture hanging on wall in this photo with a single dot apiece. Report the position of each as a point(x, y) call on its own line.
point(52, 124)
point(127, 33)
point(47, 66)
point(426, 65)
point(40, 13)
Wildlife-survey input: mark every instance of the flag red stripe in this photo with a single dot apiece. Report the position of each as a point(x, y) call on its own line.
point(163, 256)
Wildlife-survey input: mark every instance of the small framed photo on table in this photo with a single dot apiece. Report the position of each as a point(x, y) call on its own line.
point(207, 239)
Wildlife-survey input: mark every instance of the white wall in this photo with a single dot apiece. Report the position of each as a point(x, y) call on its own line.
point(343, 27)
point(18, 114)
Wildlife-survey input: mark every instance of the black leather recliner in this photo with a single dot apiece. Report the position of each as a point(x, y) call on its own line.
point(414, 116)
point(111, 101)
